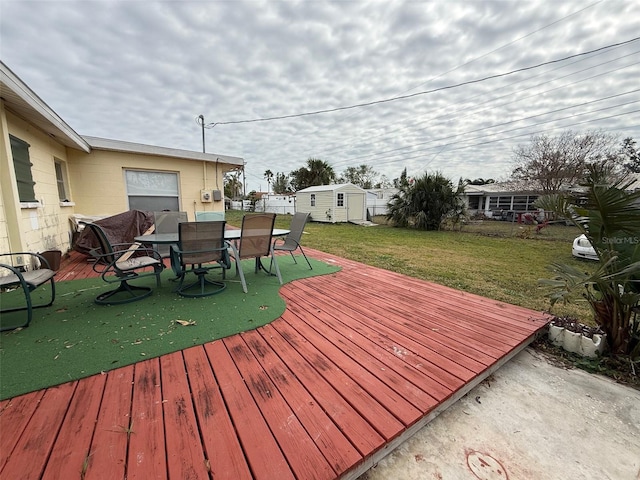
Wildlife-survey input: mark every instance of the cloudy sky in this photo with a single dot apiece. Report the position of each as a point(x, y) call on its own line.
point(143, 71)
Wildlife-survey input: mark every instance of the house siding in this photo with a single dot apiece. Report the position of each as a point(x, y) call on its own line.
point(42, 226)
point(93, 173)
point(322, 210)
point(106, 169)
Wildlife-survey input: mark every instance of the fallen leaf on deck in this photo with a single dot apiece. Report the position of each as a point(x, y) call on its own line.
point(186, 323)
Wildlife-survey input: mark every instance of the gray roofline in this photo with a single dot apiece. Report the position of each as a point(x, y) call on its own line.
point(9, 79)
point(106, 144)
point(330, 187)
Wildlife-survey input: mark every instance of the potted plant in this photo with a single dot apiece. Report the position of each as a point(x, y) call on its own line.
point(575, 337)
point(51, 254)
point(608, 213)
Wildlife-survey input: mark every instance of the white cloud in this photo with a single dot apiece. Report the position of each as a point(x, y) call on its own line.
point(143, 71)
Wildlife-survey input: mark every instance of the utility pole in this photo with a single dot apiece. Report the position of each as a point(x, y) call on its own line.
point(201, 117)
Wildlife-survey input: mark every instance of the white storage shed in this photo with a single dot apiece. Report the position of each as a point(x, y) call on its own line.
point(342, 202)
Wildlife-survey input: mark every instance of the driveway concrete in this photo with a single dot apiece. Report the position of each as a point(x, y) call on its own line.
point(529, 420)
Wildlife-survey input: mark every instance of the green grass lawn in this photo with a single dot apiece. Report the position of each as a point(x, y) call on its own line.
point(498, 260)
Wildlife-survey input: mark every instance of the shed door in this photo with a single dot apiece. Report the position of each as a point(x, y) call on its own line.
point(355, 206)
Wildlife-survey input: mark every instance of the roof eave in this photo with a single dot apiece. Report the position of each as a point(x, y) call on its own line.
point(24, 102)
point(106, 144)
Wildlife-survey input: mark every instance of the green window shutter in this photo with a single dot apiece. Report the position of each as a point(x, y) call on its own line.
point(22, 166)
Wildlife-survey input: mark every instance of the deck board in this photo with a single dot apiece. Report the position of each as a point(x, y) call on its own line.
point(263, 453)
point(185, 456)
point(69, 457)
point(224, 453)
point(107, 456)
point(144, 428)
point(359, 360)
point(330, 440)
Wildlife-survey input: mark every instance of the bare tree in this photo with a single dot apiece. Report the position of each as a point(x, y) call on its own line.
point(552, 163)
point(364, 176)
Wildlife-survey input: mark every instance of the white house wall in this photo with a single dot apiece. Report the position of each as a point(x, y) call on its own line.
point(326, 208)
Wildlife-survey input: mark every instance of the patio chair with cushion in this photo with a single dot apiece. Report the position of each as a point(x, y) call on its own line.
point(291, 242)
point(16, 277)
point(167, 222)
point(121, 263)
point(255, 242)
point(201, 248)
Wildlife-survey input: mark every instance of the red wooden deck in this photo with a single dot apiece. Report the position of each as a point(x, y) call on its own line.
point(359, 362)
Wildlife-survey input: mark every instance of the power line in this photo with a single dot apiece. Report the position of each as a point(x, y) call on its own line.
point(510, 102)
point(398, 151)
point(404, 97)
point(458, 146)
point(512, 42)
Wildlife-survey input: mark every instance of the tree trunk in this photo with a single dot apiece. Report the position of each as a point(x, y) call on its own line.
point(614, 321)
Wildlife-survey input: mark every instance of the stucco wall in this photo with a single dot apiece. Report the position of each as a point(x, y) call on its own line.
point(100, 189)
point(43, 225)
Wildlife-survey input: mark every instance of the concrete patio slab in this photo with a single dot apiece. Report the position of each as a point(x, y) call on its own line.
point(529, 420)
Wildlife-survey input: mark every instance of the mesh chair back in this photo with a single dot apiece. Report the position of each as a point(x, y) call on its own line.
point(167, 222)
point(201, 242)
point(103, 241)
point(209, 216)
point(296, 228)
point(255, 239)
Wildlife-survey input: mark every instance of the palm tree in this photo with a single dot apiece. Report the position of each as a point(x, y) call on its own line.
point(268, 174)
point(609, 215)
point(424, 203)
point(316, 172)
point(232, 185)
point(320, 172)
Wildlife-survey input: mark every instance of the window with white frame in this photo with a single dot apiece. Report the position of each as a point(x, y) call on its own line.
point(152, 191)
point(61, 180)
point(341, 200)
point(313, 199)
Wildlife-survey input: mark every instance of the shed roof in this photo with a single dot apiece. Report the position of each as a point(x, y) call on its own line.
point(330, 188)
point(502, 187)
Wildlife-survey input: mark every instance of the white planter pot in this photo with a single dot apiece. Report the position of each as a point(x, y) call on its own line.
point(576, 342)
point(592, 347)
point(556, 335)
point(572, 342)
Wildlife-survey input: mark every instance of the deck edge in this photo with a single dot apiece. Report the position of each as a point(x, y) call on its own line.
point(389, 447)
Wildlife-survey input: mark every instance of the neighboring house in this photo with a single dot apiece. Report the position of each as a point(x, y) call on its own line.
point(50, 173)
point(341, 202)
point(498, 200)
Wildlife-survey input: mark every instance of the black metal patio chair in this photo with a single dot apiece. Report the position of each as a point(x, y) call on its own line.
point(15, 275)
point(121, 263)
point(201, 249)
point(255, 242)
